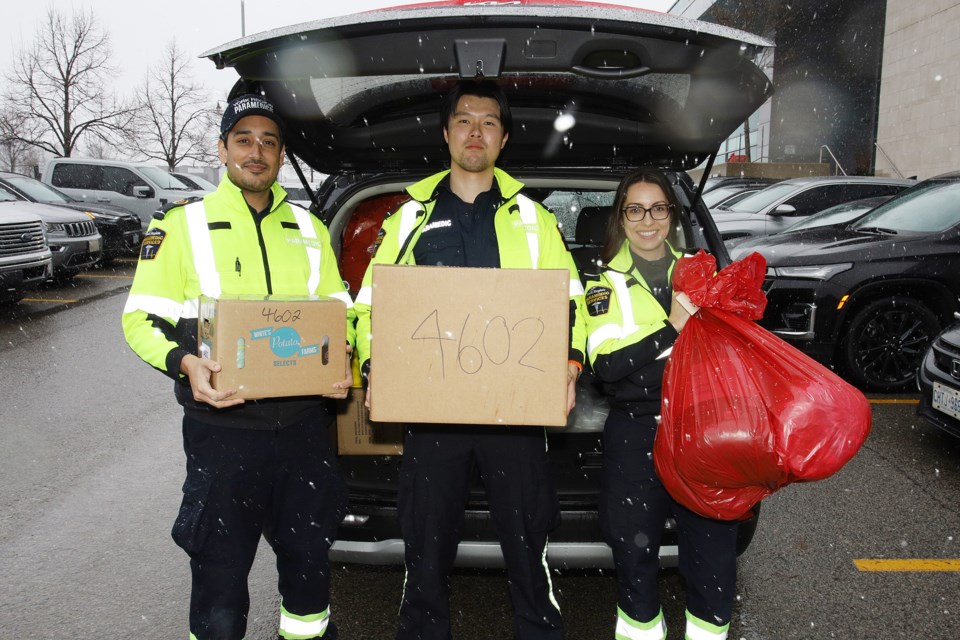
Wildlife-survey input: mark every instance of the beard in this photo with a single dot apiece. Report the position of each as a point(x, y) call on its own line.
point(475, 161)
point(250, 181)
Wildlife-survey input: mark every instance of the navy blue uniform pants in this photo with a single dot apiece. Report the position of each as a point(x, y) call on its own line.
point(633, 509)
point(433, 492)
point(244, 483)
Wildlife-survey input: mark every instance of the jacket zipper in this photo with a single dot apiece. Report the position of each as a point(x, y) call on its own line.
point(266, 263)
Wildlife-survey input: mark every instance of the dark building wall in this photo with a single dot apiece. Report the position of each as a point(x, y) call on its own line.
point(826, 75)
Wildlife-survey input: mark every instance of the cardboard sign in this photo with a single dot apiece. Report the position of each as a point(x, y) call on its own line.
point(274, 346)
point(469, 346)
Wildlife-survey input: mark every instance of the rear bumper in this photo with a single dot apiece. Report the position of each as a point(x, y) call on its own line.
point(927, 374)
point(487, 555)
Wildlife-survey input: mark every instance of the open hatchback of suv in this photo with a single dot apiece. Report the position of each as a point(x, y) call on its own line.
point(595, 90)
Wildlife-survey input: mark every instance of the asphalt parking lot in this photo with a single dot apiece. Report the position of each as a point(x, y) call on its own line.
point(92, 465)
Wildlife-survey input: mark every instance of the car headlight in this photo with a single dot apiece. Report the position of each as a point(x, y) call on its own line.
point(813, 272)
point(53, 228)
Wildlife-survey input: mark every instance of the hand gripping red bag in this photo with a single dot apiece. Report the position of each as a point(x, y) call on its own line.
point(743, 412)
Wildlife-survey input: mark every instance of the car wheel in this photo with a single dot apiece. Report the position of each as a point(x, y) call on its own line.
point(885, 342)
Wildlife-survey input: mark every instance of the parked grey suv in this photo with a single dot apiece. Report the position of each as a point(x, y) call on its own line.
point(25, 260)
point(780, 205)
point(73, 237)
point(594, 91)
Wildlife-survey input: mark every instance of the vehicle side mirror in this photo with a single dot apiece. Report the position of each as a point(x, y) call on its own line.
point(785, 210)
point(142, 192)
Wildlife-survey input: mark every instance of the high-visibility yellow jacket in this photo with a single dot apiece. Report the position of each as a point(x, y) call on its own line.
point(527, 238)
point(287, 252)
point(628, 334)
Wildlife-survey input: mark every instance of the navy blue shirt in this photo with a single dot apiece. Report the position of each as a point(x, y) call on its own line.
point(458, 233)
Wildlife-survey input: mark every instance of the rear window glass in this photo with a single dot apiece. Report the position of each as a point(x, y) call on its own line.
point(343, 100)
point(567, 205)
point(76, 176)
point(163, 179)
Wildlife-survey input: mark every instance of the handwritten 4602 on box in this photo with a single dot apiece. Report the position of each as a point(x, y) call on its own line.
point(274, 346)
point(469, 346)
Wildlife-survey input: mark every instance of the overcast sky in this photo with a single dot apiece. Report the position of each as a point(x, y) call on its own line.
point(140, 31)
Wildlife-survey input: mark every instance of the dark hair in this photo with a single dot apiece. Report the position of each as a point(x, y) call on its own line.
point(615, 234)
point(480, 89)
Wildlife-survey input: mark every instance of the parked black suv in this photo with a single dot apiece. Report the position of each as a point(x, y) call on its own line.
point(594, 92)
point(868, 296)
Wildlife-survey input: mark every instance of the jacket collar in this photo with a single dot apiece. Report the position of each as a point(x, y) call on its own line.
point(426, 189)
point(232, 194)
point(623, 261)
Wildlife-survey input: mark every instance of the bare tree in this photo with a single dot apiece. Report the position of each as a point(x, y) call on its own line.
point(172, 122)
point(56, 93)
point(13, 152)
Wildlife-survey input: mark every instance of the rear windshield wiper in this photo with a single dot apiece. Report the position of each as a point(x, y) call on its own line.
point(880, 230)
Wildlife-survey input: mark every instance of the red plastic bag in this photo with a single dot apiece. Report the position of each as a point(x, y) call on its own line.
point(743, 412)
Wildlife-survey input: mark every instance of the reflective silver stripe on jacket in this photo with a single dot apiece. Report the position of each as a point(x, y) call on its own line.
point(626, 326)
point(528, 216)
point(157, 306)
point(308, 231)
point(202, 249)
point(408, 220)
point(619, 282)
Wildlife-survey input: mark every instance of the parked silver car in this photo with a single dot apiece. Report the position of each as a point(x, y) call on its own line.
point(780, 205)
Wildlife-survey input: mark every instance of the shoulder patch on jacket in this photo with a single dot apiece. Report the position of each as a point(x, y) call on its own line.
point(160, 213)
point(597, 300)
point(152, 240)
point(376, 243)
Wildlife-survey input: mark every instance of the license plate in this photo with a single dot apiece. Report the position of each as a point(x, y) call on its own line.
point(94, 245)
point(946, 400)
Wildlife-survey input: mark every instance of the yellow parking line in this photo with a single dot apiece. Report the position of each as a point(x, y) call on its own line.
point(47, 300)
point(102, 275)
point(894, 400)
point(907, 565)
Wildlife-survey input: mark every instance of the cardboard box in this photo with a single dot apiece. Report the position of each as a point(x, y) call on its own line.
point(274, 346)
point(356, 435)
point(470, 346)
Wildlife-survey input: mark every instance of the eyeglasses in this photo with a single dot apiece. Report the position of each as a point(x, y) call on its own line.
point(636, 213)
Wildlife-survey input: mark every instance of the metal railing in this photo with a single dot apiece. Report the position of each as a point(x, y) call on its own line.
point(835, 161)
point(880, 149)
